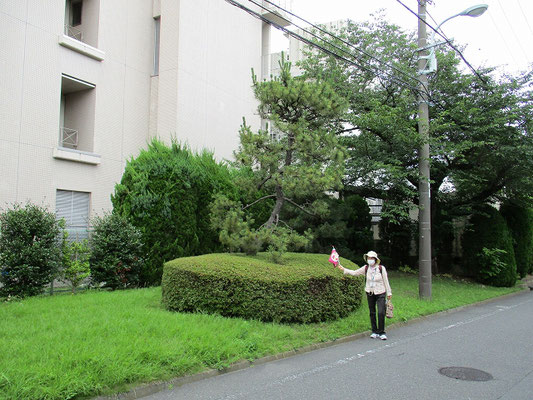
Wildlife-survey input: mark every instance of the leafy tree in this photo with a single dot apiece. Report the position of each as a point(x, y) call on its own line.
point(165, 192)
point(304, 158)
point(30, 252)
point(480, 125)
point(346, 226)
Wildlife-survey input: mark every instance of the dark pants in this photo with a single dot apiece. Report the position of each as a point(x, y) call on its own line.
point(378, 299)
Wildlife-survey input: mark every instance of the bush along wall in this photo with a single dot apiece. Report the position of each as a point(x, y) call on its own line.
point(488, 253)
point(520, 225)
point(30, 252)
point(306, 288)
point(165, 193)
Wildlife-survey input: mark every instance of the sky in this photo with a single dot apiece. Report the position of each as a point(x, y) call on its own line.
point(501, 37)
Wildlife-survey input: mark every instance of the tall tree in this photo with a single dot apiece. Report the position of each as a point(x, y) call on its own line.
point(480, 128)
point(301, 156)
point(296, 160)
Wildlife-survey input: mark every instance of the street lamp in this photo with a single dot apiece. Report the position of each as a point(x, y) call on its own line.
point(474, 11)
point(424, 202)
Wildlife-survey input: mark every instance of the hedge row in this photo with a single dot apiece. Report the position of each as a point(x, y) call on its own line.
point(306, 288)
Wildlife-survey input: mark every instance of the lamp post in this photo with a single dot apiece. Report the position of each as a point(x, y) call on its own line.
point(424, 202)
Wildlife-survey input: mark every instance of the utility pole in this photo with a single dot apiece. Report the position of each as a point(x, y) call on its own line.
point(424, 199)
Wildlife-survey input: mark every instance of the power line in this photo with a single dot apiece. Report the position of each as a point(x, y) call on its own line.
point(314, 44)
point(512, 30)
point(447, 41)
point(503, 38)
point(337, 38)
point(527, 22)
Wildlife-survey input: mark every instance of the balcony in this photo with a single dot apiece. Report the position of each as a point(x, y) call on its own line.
point(274, 14)
point(73, 32)
point(68, 138)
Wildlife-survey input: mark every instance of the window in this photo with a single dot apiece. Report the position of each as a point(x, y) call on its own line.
point(81, 20)
point(75, 13)
point(157, 33)
point(74, 208)
point(76, 128)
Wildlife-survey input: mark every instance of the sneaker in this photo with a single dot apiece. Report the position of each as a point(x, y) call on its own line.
point(374, 336)
point(383, 337)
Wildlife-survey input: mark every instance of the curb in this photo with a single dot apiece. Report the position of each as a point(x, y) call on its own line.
point(159, 386)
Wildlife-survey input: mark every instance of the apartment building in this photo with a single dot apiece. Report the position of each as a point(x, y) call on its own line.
point(85, 84)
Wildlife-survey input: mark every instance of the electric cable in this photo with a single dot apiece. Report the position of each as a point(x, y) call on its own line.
point(512, 30)
point(314, 44)
point(335, 37)
point(447, 42)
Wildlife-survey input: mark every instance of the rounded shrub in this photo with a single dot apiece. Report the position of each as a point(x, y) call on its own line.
point(306, 288)
point(521, 227)
point(165, 192)
point(30, 251)
point(488, 253)
point(116, 252)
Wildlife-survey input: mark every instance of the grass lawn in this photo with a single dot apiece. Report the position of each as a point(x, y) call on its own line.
point(98, 342)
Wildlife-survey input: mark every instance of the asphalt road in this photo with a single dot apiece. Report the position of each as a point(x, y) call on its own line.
point(495, 338)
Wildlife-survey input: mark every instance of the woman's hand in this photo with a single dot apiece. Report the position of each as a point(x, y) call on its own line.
point(339, 266)
point(389, 296)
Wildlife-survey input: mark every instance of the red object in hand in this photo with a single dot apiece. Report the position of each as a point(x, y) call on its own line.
point(334, 257)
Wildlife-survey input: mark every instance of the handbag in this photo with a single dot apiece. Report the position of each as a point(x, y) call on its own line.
point(390, 310)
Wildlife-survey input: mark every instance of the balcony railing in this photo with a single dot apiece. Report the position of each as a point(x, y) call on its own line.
point(73, 32)
point(68, 138)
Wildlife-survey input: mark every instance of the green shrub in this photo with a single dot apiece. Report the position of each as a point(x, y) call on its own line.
point(521, 227)
point(75, 262)
point(485, 240)
point(30, 252)
point(165, 192)
point(116, 252)
point(306, 288)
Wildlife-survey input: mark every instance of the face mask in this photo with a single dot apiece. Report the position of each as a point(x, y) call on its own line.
point(371, 262)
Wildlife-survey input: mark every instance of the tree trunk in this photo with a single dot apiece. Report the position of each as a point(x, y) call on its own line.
point(274, 216)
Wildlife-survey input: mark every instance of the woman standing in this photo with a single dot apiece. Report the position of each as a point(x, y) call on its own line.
point(376, 288)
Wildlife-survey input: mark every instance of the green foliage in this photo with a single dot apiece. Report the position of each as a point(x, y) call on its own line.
point(477, 125)
point(304, 289)
point(238, 234)
point(346, 226)
point(302, 157)
point(280, 240)
point(30, 253)
point(493, 261)
point(485, 240)
point(520, 223)
point(395, 243)
point(75, 262)
point(116, 259)
point(165, 192)
point(235, 233)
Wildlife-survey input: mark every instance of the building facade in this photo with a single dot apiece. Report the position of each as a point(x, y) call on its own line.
point(85, 84)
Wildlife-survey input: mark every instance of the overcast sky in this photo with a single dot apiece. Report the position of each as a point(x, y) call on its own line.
point(502, 36)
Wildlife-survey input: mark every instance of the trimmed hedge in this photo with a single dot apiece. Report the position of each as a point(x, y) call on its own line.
point(306, 288)
point(165, 192)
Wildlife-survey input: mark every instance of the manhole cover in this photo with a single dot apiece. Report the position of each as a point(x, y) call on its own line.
point(465, 374)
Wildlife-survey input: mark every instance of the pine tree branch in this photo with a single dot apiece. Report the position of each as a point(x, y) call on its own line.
point(258, 200)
